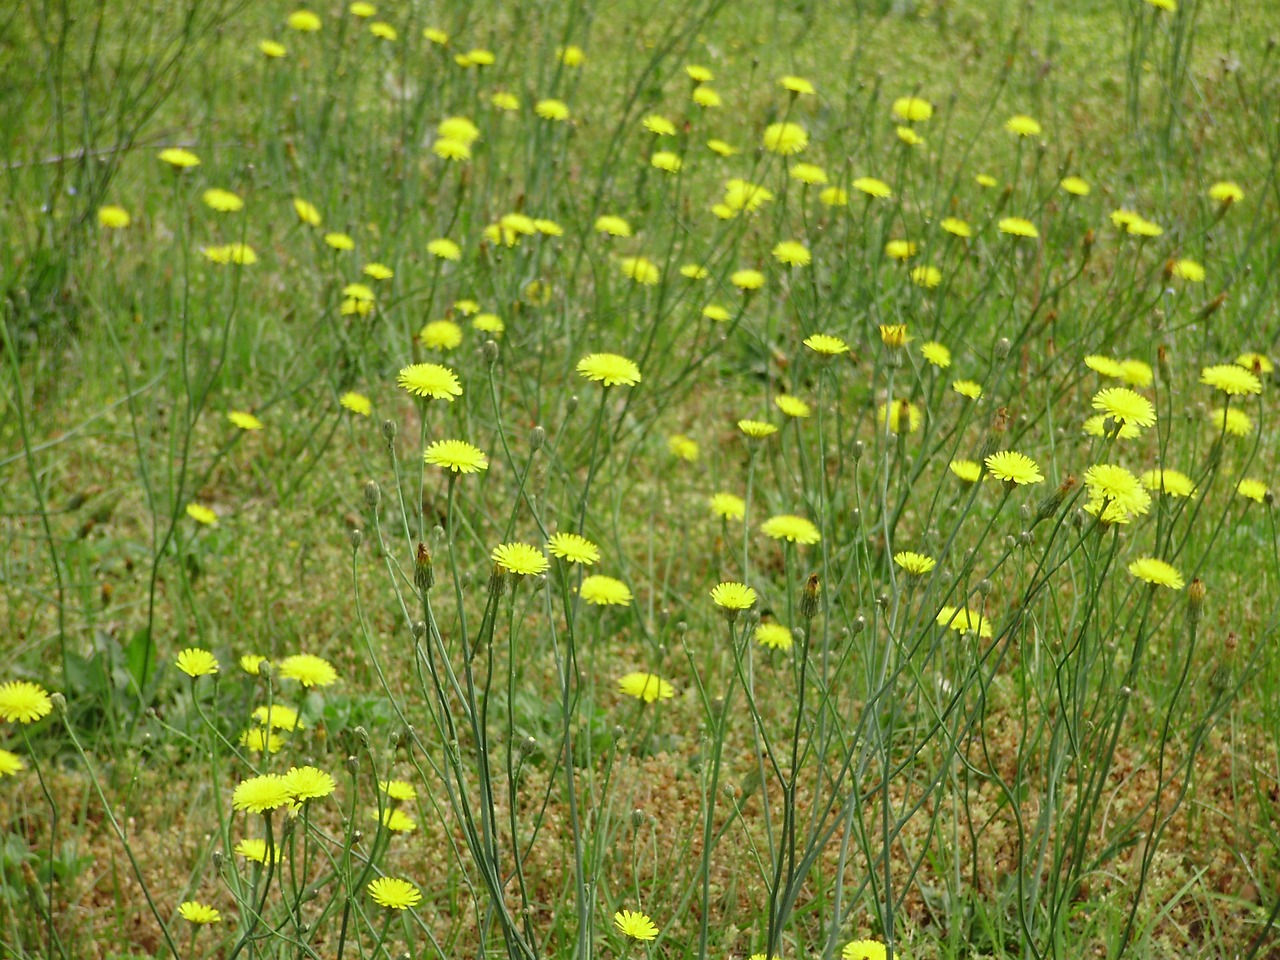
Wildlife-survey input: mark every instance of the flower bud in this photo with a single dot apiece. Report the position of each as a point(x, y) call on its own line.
point(59, 703)
point(389, 431)
point(373, 493)
point(537, 437)
point(1195, 599)
point(857, 450)
point(356, 536)
point(859, 624)
point(809, 599)
point(637, 819)
point(424, 577)
point(490, 352)
point(1002, 348)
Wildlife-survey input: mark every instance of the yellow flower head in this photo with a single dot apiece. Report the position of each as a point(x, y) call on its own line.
point(306, 212)
point(1075, 186)
point(303, 21)
point(24, 702)
point(609, 369)
point(728, 506)
point(796, 85)
point(520, 559)
point(774, 636)
point(1254, 490)
point(1231, 379)
point(394, 893)
point(1157, 572)
point(193, 911)
point(826, 344)
point(808, 173)
point(936, 353)
point(640, 269)
point(573, 548)
point(792, 406)
point(917, 564)
point(900, 249)
point(430, 380)
point(648, 687)
point(894, 335)
point(456, 456)
point(967, 470)
point(308, 669)
point(1226, 192)
point(202, 514)
point(683, 447)
point(1018, 227)
point(733, 596)
point(637, 926)
point(603, 591)
point(912, 110)
point(873, 187)
point(1023, 126)
point(357, 403)
point(179, 159)
point(551, 109)
point(785, 139)
point(956, 227)
point(113, 217)
point(902, 416)
point(792, 528)
point(792, 253)
point(1124, 406)
point(747, 279)
point(244, 420)
point(195, 662)
point(260, 794)
point(1013, 468)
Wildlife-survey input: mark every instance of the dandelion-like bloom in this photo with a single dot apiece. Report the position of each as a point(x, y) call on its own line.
point(740, 194)
point(936, 353)
point(792, 406)
point(686, 448)
point(571, 56)
point(826, 344)
point(834, 197)
point(272, 49)
point(1023, 126)
point(446, 148)
point(985, 180)
point(1115, 494)
point(637, 926)
point(1259, 363)
point(179, 158)
point(400, 790)
point(873, 187)
point(480, 57)
point(609, 369)
point(397, 821)
point(927, 277)
point(774, 636)
point(912, 109)
point(504, 100)
point(1168, 6)
point(1173, 482)
point(713, 311)
point(914, 563)
point(357, 403)
point(1141, 227)
point(698, 73)
point(796, 85)
point(394, 893)
point(520, 559)
point(1125, 406)
point(307, 212)
point(193, 911)
point(278, 717)
point(613, 226)
point(788, 526)
point(1226, 192)
point(244, 420)
point(968, 388)
point(1254, 490)
point(733, 596)
point(23, 702)
point(195, 662)
point(900, 249)
point(863, 950)
point(1075, 186)
point(308, 669)
point(489, 323)
point(747, 279)
point(1235, 422)
point(640, 269)
point(808, 173)
point(694, 271)
point(1097, 426)
point(1156, 572)
point(443, 248)
point(602, 591)
point(551, 109)
point(260, 794)
point(362, 9)
point(339, 241)
point(659, 125)
point(721, 147)
point(573, 548)
point(435, 35)
point(309, 783)
point(224, 201)
point(902, 416)
point(457, 456)
point(304, 21)
point(727, 506)
point(792, 253)
point(666, 161)
point(648, 687)
point(1188, 270)
point(1104, 366)
point(1013, 468)
point(909, 136)
point(1231, 379)
point(964, 620)
point(239, 253)
point(202, 514)
point(430, 380)
point(1018, 227)
point(255, 849)
point(894, 335)
point(259, 740)
point(785, 139)
point(251, 663)
point(956, 227)
point(113, 217)
point(967, 470)
point(1136, 373)
point(10, 763)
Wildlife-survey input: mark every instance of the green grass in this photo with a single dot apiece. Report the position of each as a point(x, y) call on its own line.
point(1092, 772)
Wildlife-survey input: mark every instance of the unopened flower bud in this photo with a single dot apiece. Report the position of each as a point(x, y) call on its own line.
point(859, 624)
point(537, 437)
point(389, 431)
point(419, 629)
point(809, 598)
point(1195, 599)
point(1002, 348)
point(353, 765)
point(637, 819)
point(857, 450)
point(363, 736)
point(356, 536)
point(1050, 504)
point(1162, 363)
point(984, 587)
point(528, 746)
point(490, 352)
point(424, 577)
point(59, 703)
point(372, 493)
point(217, 861)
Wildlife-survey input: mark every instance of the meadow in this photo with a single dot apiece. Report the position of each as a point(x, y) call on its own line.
point(599, 479)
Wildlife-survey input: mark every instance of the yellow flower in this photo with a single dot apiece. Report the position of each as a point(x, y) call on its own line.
point(573, 548)
point(1013, 467)
point(1226, 192)
point(1142, 227)
point(457, 456)
point(917, 564)
point(24, 702)
point(657, 124)
point(985, 180)
point(792, 528)
point(796, 85)
point(243, 420)
point(873, 187)
point(240, 253)
point(113, 217)
point(1169, 6)
point(1104, 366)
point(306, 212)
point(1096, 426)
point(705, 97)
point(964, 620)
point(1173, 482)
point(1124, 406)
point(1233, 421)
point(519, 559)
point(571, 56)
point(1075, 186)
point(1187, 270)
point(489, 323)
point(613, 226)
point(1135, 373)
point(480, 57)
point(430, 380)
point(785, 139)
point(694, 271)
point(912, 109)
point(179, 159)
point(505, 101)
point(260, 740)
point(551, 109)
point(397, 821)
point(640, 269)
point(733, 596)
point(394, 893)
point(251, 663)
point(308, 783)
point(902, 416)
point(1018, 227)
point(956, 227)
point(863, 950)
point(1156, 572)
point(909, 136)
point(458, 128)
point(255, 850)
point(304, 21)
point(378, 271)
point(927, 277)
point(440, 335)
point(894, 335)
point(698, 74)
point(900, 249)
point(260, 794)
point(1022, 125)
point(747, 279)
point(356, 402)
point(774, 636)
point(1231, 379)
point(966, 470)
point(728, 507)
point(308, 669)
point(713, 311)
point(1255, 490)
point(193, 911)
point(758, 429)
point(834, 197)
point(272, 49)
point(195, 662)
point(792, 406)
point(603, 591)
point(339, 241)
point(666, 161)
point(792, 253)
point(436, 35)
point(444, 249)
point(1259, 363)
point(609, 369)
point(447, 148)
point(968, 388)
point(826, 344)
point(722, 148)
point(1115, 494)
point(362, 9)
point(202, 514)
point(10, 763)
point(277, 716)
point(742, 194)
point(398, 790)
point(383, 30)
point(648, 687)
point(936, 353)
point(683, 447)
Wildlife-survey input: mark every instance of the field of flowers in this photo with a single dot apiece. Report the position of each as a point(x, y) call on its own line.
point(556, 480)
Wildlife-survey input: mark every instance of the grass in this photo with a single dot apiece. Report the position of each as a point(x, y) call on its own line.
point(1024, 749)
